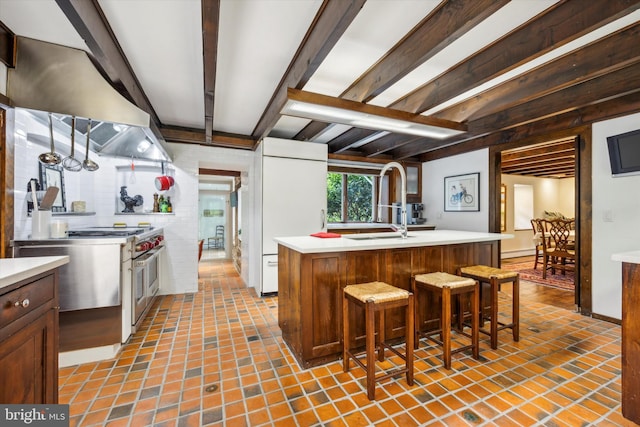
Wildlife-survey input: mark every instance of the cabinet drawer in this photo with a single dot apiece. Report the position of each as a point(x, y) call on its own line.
point(36, 293)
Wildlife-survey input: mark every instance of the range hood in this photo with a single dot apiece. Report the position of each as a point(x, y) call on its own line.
point(63, 80)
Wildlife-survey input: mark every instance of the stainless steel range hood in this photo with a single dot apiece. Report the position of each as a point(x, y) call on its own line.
point(64, 81)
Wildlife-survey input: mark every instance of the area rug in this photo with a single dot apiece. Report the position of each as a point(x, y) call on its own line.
point(553, 280)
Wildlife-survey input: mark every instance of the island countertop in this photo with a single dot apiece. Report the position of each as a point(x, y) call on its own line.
point(13, 270)
point(373, 241)
point(632, 257)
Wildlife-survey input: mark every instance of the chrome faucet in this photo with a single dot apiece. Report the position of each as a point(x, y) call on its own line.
point(403, 212)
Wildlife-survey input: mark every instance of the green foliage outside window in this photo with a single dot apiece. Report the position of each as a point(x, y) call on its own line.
point(358, 199)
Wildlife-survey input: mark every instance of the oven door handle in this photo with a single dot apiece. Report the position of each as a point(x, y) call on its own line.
point(144, 259)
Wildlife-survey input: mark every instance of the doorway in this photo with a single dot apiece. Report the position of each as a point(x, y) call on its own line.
point(218, 213)
point(579, 140)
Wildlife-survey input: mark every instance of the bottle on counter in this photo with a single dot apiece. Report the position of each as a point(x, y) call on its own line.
point(169, 207)
point(163, 204)
point(156, 205)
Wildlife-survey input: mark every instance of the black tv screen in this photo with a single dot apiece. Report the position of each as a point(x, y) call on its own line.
point(624, 152)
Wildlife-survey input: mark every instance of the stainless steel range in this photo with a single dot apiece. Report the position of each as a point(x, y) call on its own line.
point(109, 266)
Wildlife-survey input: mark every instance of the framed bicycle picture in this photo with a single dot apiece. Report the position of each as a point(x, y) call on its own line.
point(462, 193)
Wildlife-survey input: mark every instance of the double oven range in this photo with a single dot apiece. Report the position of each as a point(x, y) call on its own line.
point(108, 285)
point(143, 249)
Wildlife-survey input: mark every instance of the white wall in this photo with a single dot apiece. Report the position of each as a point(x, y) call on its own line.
point(183, 254)
point(549, 194)
point(618, 197)
point(433, 174)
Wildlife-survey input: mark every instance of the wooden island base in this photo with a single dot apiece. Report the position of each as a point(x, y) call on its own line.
point(310, 291)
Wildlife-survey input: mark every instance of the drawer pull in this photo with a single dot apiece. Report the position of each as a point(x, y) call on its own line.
point(24, 303)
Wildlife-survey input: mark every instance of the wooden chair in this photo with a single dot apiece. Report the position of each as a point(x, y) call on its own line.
point(537, 224)
point(200, 245)
point(561, 255)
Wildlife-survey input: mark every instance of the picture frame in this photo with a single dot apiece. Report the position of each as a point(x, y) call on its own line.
point(462, 193)
point(53, 176)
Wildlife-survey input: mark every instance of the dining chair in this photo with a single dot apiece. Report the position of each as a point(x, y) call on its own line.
point(562, 254)
point(538, 237)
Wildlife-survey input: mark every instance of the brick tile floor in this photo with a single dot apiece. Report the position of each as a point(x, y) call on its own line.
point(217, 358)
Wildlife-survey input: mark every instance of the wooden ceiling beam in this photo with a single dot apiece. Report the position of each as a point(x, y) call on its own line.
point(569, 20)
point(197, 136)
point(442, 26)
point(210, 27)
point(608, 86)
point(8, 44)
point(548, 127)
point(331, 21)
point(611, 53)
point(565, 148)
point(546, 165)
point(89, 21)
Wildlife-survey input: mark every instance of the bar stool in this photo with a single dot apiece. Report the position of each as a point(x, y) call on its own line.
point(446, 285)
point(375, 297)
point(495, 277)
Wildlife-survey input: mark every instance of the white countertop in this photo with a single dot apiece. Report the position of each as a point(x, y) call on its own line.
point(632, 257)
point(371, 225)
point(13, 270)
point(368, 241)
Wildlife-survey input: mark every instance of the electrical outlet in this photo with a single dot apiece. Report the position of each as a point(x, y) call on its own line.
point(608, 215)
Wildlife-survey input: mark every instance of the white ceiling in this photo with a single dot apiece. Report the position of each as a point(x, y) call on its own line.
point(162, 40)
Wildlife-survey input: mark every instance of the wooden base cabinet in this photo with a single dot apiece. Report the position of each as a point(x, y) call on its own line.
point(29, 341)
point(310, 292)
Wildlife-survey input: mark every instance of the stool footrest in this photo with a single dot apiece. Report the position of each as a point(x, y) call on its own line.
point(429, 336)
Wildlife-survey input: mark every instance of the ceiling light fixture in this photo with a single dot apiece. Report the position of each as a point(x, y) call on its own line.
point(328, 109)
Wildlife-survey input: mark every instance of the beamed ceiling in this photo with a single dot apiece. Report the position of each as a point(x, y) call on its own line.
point(216, 72)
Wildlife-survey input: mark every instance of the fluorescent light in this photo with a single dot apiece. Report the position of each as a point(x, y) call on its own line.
point(327, 109)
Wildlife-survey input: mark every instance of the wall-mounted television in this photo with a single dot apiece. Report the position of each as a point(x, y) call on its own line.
point(624, 152)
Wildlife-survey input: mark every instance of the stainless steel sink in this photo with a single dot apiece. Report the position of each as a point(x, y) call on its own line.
point(374, 237)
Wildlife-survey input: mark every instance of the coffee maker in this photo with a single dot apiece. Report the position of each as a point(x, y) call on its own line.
point(414, 213)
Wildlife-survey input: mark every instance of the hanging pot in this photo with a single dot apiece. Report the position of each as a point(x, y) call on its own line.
point(164, 182)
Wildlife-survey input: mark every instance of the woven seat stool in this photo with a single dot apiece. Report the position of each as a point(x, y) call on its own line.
point(446, 285)
point(375, 297)
point(495, 277)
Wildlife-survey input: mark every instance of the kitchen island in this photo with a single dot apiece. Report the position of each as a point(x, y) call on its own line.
point(312, 272)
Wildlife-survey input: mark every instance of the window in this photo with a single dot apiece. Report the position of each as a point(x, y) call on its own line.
point(350, 197)
point(522, 206)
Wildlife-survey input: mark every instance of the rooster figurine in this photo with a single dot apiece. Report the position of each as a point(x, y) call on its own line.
point(129, 202)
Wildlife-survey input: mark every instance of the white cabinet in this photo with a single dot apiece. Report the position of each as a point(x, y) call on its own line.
point(294, 197)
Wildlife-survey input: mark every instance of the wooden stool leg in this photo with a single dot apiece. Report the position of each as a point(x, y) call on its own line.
point(409, 339)
point(475, 327)
point(494, 313)
point(515, 309)
point(345, 333)
point(460, 308)
point(416, 316)
point(381, 337)
point(371, 356)
point(481, 304)
point(446, 327)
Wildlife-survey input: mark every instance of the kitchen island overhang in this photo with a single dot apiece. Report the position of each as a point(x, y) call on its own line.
point(312, 272)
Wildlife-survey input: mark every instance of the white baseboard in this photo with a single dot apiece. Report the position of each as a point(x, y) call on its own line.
point(86, 355)
point(519, 253)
